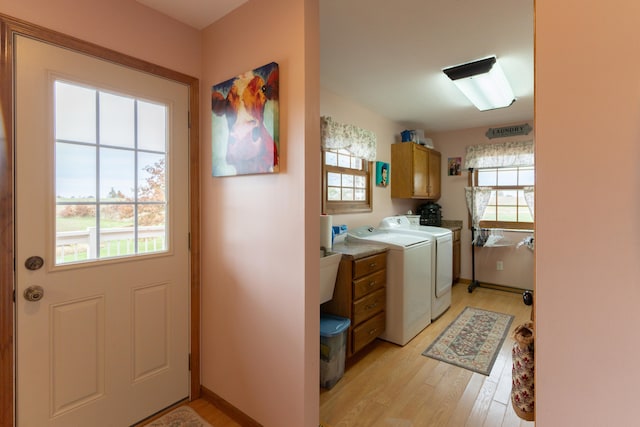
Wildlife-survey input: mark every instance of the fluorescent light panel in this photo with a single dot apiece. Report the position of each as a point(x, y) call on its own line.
point(483, 82)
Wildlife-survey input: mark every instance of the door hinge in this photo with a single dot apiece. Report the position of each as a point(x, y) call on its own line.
point(189, 240)
point(189, 361)
point(189, 119)
point(14, 295)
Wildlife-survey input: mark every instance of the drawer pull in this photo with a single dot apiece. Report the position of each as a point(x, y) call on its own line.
point(370, 306)
point(372, 284)
point(373, 331)
point(373, 265)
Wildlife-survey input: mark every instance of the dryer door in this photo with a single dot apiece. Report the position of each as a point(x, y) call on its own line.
point(444, 268)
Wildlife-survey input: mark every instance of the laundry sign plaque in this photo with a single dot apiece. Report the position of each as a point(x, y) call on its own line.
point(513, 130)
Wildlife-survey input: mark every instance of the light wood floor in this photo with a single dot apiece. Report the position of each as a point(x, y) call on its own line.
point(212, 414)
point(392, 386)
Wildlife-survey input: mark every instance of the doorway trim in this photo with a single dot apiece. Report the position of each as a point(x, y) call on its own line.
point(9, 27)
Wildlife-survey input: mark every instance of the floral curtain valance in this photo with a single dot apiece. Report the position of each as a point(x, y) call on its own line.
point(515, 153)
point(359, 142)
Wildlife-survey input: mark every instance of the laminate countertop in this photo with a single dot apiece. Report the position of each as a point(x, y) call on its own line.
point(452, 225)
point(357, 250)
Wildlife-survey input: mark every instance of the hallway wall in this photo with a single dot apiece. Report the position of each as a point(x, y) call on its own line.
point(260, 233)
point(587, 121)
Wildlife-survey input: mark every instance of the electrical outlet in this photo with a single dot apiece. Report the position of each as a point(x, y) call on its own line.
point(499, 266)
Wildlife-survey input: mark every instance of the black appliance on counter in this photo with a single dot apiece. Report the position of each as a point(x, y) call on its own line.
point(430, 214)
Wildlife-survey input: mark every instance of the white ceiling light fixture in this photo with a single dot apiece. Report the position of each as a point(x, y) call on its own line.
point(483, 82)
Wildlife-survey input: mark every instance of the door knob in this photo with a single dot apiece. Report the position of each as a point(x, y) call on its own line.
point(34, 263)
point(33, 293)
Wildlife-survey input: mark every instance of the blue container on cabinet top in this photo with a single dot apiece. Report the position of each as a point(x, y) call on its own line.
point(405, 135)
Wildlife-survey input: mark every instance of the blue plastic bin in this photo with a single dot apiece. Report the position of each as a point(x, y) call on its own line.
point(333, 348)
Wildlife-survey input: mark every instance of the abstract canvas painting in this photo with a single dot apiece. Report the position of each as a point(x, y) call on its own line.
point(245, 126)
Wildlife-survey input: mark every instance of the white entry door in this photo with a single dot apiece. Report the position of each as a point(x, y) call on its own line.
point(102, 256)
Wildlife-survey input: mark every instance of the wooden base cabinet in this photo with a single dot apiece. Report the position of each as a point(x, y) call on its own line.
point(415, 172)
point(456, 255)
point(360, 295)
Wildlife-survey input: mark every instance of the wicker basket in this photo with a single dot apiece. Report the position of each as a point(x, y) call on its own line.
point(522, 374)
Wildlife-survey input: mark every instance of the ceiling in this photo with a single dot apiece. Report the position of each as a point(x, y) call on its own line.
point(195, 13)
point(388, 56)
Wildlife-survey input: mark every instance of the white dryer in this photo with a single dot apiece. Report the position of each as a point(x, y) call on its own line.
point(408, 305)
point(441, 258)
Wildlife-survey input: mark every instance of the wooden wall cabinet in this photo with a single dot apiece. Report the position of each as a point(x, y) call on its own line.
point(360, 295)
point(456, 255)
point(415, 172)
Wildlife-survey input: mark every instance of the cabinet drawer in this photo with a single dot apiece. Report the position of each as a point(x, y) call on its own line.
point(367, 332)
point(364, 266)
point(366, 307)
point(368, 284)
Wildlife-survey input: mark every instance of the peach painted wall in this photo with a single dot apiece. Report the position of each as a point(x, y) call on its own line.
point(587, 212)
point(125, 26)
point(345, 111)
point(260, 298)
point(518, 263)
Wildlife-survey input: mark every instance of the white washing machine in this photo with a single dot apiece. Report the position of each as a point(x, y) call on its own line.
point(408, 307)
point(441, 258)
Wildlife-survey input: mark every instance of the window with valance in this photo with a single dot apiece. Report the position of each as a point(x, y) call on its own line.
point(501, 191)
point(347, 153)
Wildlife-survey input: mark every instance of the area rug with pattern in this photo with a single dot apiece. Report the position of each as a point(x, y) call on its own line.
point(182, 416)
point(472, 341)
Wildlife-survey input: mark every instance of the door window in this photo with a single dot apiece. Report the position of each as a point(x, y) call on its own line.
point(110, 174)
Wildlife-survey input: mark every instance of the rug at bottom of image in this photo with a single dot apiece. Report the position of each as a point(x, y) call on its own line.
point(183, 416)
point(472, 341)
